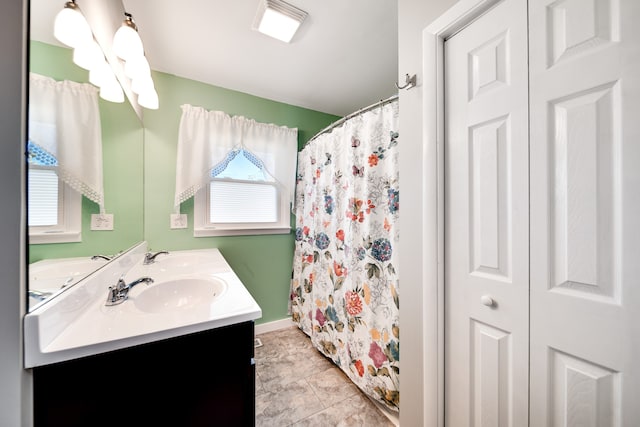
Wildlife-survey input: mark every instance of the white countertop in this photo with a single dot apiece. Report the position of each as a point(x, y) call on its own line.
point(77, 323)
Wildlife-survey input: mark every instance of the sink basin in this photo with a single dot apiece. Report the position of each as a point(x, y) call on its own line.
point(48, 276)
point(63, 268)
point(179, 294)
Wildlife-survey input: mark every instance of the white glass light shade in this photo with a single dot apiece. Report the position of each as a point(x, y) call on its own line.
point(70, 27)
point(142, 84)
point(149, 99)
point(111, 90)
point(137, 67)
point(100, 74)
point(88, 55)
point(127, 43)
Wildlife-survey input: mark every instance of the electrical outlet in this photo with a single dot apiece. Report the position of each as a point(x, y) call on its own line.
point(178, 221)
point(102, 222)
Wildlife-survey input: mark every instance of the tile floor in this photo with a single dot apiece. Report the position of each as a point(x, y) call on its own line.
point(297, 386)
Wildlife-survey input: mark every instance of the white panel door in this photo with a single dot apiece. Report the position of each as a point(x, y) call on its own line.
point(585, 212)
point(486, 221)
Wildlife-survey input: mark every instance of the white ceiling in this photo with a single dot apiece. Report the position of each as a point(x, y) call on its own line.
point(344, 57)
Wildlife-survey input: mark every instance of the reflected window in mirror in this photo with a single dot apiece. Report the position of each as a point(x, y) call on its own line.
point(64, 155)
point(54, 208)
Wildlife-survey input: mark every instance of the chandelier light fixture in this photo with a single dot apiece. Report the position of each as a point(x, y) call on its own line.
point(278, 19)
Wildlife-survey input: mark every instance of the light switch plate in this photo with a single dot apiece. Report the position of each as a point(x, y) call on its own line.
point(102, 222)
point(178, 221)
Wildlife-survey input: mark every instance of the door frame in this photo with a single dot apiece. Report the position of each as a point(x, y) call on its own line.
point(432, 172)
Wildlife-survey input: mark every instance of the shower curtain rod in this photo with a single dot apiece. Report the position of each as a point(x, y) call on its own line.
point(354, 114)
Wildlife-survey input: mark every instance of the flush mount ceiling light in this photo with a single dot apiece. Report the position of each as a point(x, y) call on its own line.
point(278, 19)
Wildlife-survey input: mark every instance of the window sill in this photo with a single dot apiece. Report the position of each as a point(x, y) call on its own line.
point(214, 232)
point(55, 237)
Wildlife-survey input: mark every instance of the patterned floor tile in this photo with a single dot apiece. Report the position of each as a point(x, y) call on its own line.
point(276, 373)
point(298, 386)
point(357, 411)
point(332, 386)
point(289, 405)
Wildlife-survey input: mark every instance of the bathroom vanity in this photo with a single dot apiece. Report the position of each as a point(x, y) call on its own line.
point(200, 379)
point(177, 350)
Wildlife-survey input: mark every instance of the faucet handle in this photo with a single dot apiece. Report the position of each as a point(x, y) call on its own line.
point(118, 292)
point(121, 284)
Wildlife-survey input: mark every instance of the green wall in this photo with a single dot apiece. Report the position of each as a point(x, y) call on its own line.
point(139, 178)
point(122, 151)
point(263, 263)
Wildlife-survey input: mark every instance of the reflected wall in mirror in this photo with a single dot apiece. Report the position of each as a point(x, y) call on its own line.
point(122, 163)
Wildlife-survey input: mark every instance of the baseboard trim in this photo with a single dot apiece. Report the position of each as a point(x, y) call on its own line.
point(273, 326)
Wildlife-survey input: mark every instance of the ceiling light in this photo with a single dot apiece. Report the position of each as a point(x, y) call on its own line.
point(149, 99)
point(70, 26)
point(88, 55)
point(126, 41)
point(142, 84)
point(278, 19)
point(111, 90)
point(100, 73)
point(137, 67)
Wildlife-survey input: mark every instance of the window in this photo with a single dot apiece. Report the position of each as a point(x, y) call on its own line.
point(241, 198)
point(241, 172)
point(54, 209)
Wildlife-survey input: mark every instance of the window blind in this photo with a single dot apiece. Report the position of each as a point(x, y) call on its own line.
point(43, 200)
point(242, 202)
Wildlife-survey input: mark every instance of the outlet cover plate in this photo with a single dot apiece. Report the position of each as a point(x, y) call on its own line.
point(178, 221)
point(102, 222)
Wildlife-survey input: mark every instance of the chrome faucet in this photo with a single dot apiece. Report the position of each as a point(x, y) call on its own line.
point(119, 292)
point(150, 258)
point(97, 257)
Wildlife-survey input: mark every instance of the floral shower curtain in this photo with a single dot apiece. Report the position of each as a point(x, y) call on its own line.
point(344, 290)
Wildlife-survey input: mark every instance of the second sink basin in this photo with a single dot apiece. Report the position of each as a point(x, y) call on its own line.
point(179, 294)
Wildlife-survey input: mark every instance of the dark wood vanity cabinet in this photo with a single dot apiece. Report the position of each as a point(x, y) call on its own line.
point(201, 379)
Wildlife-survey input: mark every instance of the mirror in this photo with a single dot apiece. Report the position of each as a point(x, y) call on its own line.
point(55, 266)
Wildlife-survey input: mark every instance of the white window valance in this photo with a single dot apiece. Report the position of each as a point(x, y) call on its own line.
point(206, 138)
point(64, 121)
